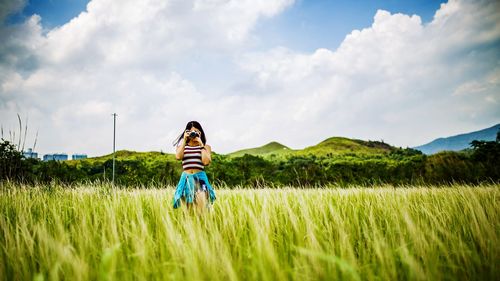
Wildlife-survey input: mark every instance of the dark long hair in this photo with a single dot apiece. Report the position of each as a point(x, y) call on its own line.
point(190, 125)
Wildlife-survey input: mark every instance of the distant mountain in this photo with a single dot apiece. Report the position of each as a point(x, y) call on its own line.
point(459, 142)
point(330, 146)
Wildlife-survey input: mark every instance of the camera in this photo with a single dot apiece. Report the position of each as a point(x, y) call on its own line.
point(193, 134)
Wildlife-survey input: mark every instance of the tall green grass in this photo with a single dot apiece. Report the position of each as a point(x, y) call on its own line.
point(406, 233)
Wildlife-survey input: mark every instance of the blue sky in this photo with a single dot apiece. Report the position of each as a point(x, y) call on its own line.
point(251, 72)
point(308, 25)
point(53, 12)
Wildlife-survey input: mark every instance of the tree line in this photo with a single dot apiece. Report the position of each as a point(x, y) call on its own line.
point(399, 166)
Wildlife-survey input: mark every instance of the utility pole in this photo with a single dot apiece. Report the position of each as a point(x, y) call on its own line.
point(114, 136)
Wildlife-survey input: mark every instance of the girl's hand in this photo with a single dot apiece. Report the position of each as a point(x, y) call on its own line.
point(198, 140)
point(186, 135)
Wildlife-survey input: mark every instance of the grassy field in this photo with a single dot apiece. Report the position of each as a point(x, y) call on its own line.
point(381, 233)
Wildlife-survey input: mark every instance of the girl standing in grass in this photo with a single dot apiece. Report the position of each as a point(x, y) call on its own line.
point(193, 186)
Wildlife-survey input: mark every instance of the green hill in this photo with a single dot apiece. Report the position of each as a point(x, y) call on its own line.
point(268, 149)
point(149, 156)
point(330, 146)
point(342, 145)
point(134, 155)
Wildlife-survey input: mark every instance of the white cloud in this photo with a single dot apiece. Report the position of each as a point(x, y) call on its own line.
point(118, 57)
point(399, 80)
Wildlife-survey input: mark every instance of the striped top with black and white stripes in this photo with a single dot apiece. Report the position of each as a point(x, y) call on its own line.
point(192, 158)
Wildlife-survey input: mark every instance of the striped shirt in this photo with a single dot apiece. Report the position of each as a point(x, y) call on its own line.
point(192, 158)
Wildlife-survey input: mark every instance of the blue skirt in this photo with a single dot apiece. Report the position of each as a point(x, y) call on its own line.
point(186, 185)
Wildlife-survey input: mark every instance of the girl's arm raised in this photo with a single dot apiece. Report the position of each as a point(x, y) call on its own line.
point(206, 157)
point(179, 152)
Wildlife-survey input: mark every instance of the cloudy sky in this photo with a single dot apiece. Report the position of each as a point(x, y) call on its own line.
point(250, 71)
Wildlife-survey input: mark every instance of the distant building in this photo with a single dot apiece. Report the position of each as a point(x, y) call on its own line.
point(56, 156)
point(30, 154)
point(78, 156)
